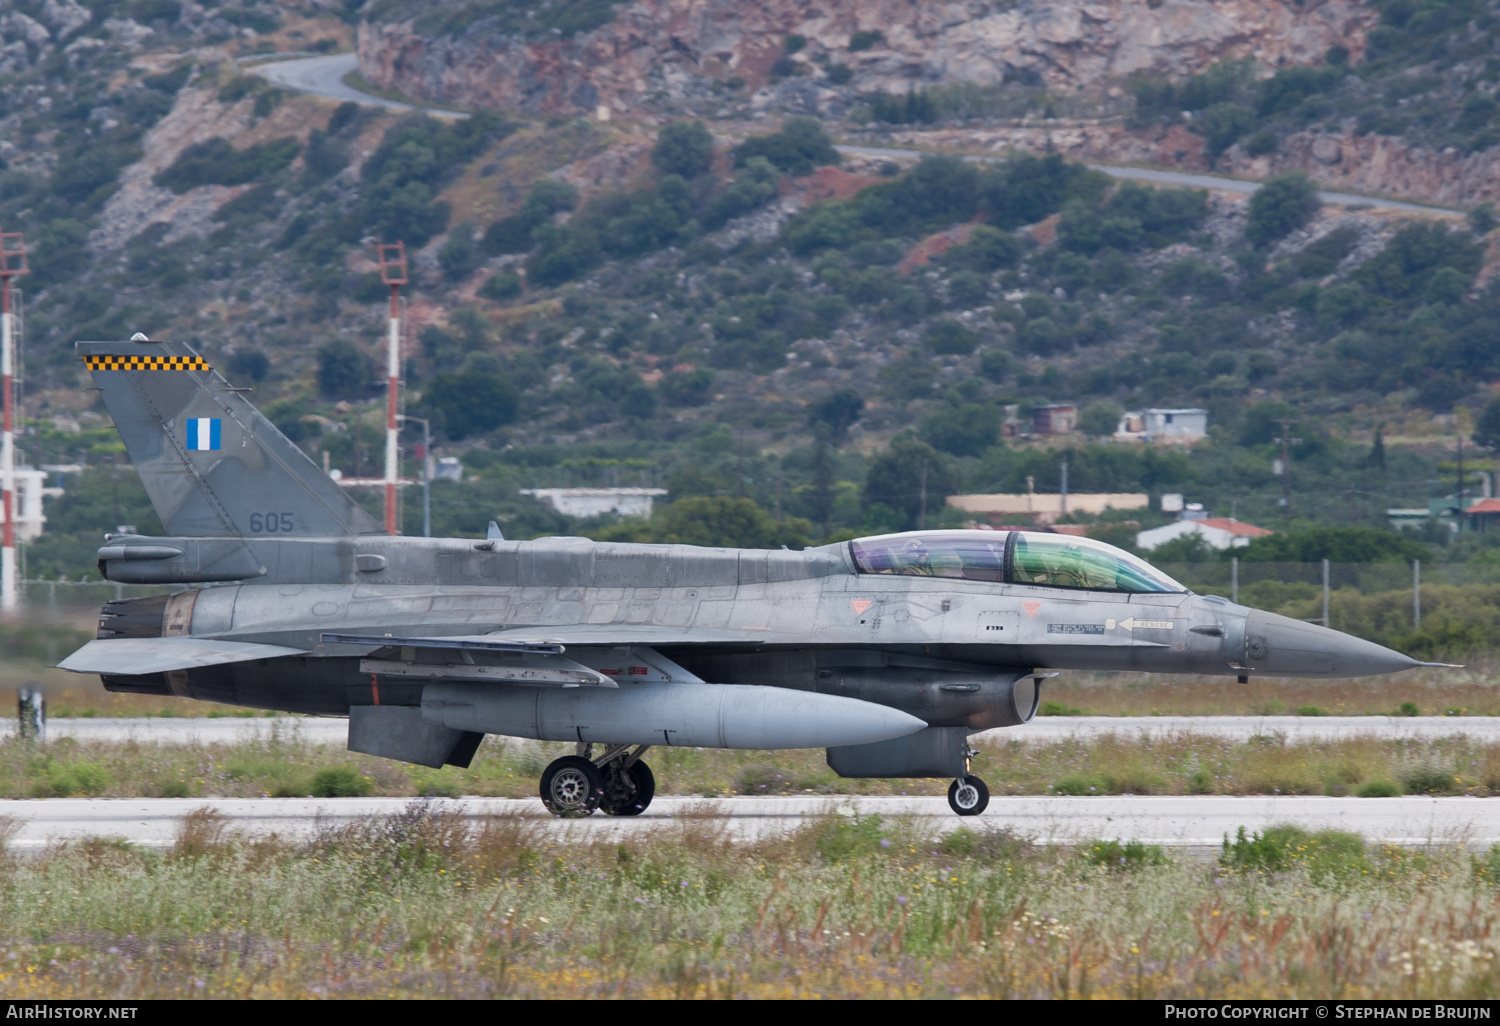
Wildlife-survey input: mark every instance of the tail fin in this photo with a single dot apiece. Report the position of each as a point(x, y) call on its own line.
point(211, 463)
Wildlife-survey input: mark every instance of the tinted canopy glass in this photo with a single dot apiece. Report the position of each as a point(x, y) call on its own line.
point(970, 555)
point(1058, 561)
point(1063, 561)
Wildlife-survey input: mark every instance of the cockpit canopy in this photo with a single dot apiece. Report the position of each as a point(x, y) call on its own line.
point(1012, 557)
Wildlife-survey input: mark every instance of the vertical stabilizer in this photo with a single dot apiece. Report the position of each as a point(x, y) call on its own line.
point(211, 463)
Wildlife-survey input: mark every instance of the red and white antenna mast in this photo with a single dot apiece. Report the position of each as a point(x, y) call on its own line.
point(12, 265)
point(392, 260)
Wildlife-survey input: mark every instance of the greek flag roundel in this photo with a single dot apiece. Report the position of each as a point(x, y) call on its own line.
point(203, 434)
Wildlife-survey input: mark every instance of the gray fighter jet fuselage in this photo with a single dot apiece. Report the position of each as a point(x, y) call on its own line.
point(887, 651)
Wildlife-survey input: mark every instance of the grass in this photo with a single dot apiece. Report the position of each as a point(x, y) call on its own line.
point(282, 764)
point(428, 904)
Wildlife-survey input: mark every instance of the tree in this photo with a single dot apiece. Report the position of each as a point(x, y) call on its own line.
point(471, 403)
point(839, 410)
point(896, 477)
point(965, 430)
point(343, 369)
point(822, 489)
point(1487, 429)
point(716, 520)
point(1336, 544)
point(1376, 458)
point(250, 363)
point(1099, 420)
point(800, 146)
point(1280, 206)
point(683, 148)
point(459, 255)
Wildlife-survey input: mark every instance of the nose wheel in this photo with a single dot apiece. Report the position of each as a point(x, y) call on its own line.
point(968, 795)
point(617, 783)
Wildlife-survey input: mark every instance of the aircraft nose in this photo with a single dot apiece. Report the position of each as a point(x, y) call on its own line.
point(1278, 646)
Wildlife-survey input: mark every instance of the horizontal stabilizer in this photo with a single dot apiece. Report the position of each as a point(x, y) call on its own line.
point(134, 657)
point(475, 643)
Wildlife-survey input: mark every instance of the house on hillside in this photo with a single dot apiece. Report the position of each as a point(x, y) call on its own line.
point(1217, 533)
point(1054, 419)
point(593, 502)
point(1163, 426)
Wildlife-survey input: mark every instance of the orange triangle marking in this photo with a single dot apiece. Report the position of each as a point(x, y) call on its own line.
point(860, 605)
point(1031, 608)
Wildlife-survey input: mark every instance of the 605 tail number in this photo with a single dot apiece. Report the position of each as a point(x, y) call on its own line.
point(270, 523)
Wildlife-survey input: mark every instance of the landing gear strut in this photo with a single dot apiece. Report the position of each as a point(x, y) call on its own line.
point(617, 782)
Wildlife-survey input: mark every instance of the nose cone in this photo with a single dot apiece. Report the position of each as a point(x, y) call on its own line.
point(1278, 646)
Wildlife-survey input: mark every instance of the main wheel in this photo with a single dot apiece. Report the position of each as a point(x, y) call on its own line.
point(572, 786)
point(969, 796)
point(631, 794)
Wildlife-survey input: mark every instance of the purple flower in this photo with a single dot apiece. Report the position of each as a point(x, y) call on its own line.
point(884, 843)
point(901, 899)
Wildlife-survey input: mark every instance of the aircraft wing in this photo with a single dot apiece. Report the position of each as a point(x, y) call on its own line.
point(133, 657)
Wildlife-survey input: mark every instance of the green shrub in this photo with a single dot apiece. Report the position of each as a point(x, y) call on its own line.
point(500, 287)
point(1379, 789)
point(800, 146)
point(172, 789)
point(846, 838)
point(1201, 782)
point(1326, 854)
point(762, 778)
point(990, 844)
point(1283, 204)
point(1410, 709)
point(1430, 780)
point(865, 40)
point(340, 782)
point(471, 403)
point(1080, 785)
point(343, 369)
point(1058, 709)
point(683, 148)
point(216, 162)
point(1120, 857)
point(1311, 710)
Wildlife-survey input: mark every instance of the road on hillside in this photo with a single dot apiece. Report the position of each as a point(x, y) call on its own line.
point(324, 76)
point(1187, 822)
point(1141, 174)
point(321, 730)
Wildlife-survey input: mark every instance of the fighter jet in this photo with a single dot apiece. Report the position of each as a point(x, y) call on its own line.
point(887, 651)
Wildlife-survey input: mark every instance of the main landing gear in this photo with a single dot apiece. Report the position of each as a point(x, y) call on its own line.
point(617, 782)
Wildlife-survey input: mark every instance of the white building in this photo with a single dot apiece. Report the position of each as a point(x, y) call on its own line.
point(1217, 532)
point(1176, 426)
point(31, 488)
point(593, 502)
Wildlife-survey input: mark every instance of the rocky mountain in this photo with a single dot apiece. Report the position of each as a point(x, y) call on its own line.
point(651, 56)
point(700, 292)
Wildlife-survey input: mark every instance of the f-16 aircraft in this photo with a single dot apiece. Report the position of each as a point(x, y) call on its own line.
point(887, 651)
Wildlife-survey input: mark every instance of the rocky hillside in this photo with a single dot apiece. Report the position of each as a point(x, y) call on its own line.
point(725, 305)
point(1386, 97)
point(649, 56)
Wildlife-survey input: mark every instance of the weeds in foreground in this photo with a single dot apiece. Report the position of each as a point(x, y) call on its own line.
point(430, 904)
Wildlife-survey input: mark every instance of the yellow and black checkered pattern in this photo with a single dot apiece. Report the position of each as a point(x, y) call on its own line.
point(128, 363)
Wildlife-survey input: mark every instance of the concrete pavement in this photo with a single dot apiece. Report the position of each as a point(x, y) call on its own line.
point(1198, 822)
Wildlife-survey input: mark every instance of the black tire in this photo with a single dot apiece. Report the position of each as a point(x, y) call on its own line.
point(572, 786)
point(644, 782)
point(972, 802)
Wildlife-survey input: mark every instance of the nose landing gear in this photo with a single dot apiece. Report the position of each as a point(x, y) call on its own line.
point(617, 783)
point(968, 795)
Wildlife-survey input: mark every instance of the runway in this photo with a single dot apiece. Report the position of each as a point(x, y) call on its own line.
point(1197, 823)
point(334, 730)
